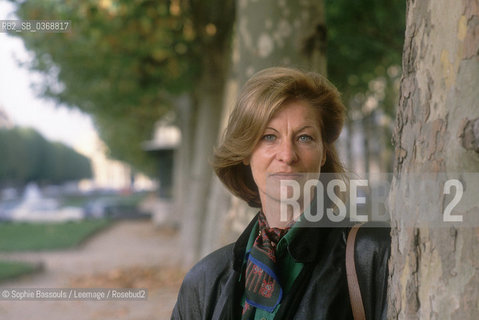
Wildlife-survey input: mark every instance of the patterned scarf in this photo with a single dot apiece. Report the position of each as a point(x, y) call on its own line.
point(262, 287)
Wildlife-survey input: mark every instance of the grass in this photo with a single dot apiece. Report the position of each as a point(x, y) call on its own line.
point(47, 236)
point(13, 269)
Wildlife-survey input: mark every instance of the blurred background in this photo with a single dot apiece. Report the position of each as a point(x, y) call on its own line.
point(106, 131)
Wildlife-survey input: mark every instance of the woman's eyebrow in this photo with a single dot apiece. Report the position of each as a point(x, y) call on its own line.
point(270, 128)
point(305, 127)
point(300, 129)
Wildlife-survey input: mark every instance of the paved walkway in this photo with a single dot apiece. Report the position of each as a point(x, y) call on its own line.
point(128, 254)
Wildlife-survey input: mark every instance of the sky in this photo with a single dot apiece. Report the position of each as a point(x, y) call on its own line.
point(22, 104)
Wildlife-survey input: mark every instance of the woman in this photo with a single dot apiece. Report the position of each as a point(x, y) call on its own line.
point(283, 128)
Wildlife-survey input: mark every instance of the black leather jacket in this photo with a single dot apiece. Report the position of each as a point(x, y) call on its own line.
point(211, 289)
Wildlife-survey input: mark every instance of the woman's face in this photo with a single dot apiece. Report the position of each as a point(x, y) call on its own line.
point(290, 146)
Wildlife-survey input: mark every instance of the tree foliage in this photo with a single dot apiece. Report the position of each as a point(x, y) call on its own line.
point(26, 156)
point(120, 63)
point(364, 39)
point(123, 60)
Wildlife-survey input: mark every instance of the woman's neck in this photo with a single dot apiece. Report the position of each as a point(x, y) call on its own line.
point(280, 215)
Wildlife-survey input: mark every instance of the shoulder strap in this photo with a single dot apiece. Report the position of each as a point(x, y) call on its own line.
point(353, 284)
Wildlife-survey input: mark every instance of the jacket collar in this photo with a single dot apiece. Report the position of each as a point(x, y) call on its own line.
point(240, 245)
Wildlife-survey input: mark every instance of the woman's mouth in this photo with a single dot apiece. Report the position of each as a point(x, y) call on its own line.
point(286, 175)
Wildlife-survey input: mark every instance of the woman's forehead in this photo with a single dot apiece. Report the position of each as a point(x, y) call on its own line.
point(297, 111)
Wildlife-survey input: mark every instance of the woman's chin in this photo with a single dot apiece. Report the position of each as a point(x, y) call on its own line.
point(289, 187)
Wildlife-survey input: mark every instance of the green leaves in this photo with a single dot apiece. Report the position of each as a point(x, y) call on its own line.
point(363, 35)
point(115, 64)
point(27, 156)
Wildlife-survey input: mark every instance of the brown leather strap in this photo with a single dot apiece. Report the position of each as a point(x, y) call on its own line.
point(353, 284)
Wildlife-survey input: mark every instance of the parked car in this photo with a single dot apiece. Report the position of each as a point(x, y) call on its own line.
point(112, 208)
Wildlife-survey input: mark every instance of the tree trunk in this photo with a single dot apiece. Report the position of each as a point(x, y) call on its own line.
point(280, 32)
point(210, 103)
point(216, 234)
point(182, 166)
point(434, 272)
point(212, 22)
point(349, 145)
point(367, 128)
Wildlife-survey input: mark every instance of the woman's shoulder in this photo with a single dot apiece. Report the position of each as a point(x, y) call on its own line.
point(208, 269)
point(202, 284)
point(373, 238)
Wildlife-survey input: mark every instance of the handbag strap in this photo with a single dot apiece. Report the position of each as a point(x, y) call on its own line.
point(353, 284)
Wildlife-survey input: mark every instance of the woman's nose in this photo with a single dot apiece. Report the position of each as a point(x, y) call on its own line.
point(287, 152)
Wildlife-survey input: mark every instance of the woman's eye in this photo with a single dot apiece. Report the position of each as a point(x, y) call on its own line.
point(269, 137)
point(305, 138)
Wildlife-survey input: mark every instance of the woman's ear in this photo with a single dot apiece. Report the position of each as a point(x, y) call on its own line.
point(246, 161)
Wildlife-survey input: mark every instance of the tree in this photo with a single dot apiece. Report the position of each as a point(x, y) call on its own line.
point(120, 63)
point(435, 271)
point(214, 22)
point(27, 156)
point(127, 64)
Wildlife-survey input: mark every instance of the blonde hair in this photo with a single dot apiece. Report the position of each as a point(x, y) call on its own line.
point(259, 100)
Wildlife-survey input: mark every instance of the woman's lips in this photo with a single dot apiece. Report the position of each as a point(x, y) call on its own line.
point(286, 175)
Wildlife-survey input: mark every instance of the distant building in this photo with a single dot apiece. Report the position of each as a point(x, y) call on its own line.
point(109, 173)
point(165, 140)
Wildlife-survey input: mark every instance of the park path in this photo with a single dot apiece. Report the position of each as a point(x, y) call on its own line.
point(128, 254)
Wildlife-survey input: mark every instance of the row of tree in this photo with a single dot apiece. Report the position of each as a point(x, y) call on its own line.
point(27, 156)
